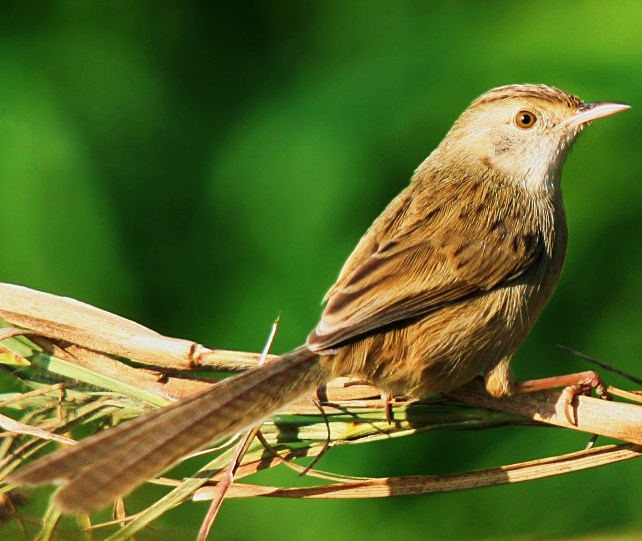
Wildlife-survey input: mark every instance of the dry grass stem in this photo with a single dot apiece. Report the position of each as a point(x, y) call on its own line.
point(81, 366)
point(415, 485)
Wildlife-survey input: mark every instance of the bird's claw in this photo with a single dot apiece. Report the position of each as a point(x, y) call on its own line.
point(589, 382)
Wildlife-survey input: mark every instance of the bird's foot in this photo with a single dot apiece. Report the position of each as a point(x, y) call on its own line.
point(581, 383)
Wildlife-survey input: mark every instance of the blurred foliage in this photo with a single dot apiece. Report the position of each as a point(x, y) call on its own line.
point(205, 167)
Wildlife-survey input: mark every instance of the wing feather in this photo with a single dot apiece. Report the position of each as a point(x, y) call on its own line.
point(417, 273)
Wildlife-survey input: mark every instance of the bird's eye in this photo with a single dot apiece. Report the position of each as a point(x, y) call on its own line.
point(525, 119)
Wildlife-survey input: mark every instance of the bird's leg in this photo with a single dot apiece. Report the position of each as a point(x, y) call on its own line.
point(386, 398)
point(574, 384)
point(500, 382)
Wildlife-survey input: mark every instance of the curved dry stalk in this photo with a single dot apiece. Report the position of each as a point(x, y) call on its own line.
point(103, 353)
point(417, 485)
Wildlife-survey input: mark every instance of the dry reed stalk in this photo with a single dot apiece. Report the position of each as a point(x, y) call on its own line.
point(83, 365)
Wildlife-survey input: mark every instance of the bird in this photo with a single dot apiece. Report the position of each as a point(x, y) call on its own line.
point(445, 285)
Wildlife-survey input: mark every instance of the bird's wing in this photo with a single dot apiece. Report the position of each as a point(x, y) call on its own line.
point(417, 273)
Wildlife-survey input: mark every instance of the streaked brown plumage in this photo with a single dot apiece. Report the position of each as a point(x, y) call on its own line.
point(445, 284)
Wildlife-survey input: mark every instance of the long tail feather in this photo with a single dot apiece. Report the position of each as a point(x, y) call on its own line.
point(113, 463)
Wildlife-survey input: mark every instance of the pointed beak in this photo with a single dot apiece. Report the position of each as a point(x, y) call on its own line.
point(587, 112)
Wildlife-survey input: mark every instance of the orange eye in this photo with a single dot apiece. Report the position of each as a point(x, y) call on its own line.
point(525, 119)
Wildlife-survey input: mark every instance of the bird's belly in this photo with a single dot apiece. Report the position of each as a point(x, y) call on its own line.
point(446, 348)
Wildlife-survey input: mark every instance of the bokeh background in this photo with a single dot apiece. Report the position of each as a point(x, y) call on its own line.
point(203, 168)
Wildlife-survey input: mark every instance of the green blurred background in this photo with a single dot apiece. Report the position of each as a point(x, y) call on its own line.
point(205, 168)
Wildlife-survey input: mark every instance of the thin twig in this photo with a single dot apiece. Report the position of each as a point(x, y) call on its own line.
point(602, 364)
point(228, 478)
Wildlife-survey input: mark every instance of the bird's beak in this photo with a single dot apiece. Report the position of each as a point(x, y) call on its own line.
point(587, 112)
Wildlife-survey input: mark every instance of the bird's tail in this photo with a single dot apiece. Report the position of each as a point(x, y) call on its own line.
point(111, 464)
